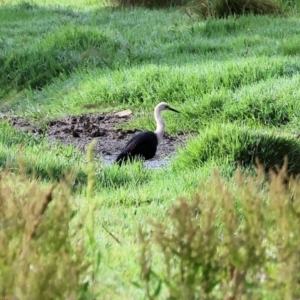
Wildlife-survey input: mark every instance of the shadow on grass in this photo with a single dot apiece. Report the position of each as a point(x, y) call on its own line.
point(232, 145)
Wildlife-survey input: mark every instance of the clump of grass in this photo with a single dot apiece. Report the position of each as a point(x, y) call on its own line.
point(41, 255)
point(215, 8)
point(227, 242)
point(269, 110)
point(290, 46)
point(130, 174)
point(150, 3)
point(55, 56)
point(231, 144)
point(225, 8)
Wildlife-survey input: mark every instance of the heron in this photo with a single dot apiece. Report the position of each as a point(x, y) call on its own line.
point(144, 144)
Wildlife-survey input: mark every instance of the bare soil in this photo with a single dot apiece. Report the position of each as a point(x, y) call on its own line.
point(82, 129)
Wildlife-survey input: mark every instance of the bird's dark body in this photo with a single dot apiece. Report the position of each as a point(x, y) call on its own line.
point(142, 145)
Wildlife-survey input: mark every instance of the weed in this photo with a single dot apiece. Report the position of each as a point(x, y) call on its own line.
point(232, 241)
point(40, 255)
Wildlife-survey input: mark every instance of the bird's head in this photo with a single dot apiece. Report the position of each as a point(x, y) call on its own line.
point(164, 106)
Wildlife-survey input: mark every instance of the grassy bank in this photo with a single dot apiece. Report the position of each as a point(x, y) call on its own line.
point(234, 80)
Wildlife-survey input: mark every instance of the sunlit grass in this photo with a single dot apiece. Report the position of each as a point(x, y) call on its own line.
point(234, 80)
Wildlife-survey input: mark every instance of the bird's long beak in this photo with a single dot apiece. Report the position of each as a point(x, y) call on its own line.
point(172, 109)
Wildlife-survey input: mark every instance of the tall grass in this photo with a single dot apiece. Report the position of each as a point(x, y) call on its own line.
point(222, 8)
point(48, 243)
point(227, 241)
point(217, 8)
point(41, 255)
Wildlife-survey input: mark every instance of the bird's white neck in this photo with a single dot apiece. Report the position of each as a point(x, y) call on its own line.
point(160, 125)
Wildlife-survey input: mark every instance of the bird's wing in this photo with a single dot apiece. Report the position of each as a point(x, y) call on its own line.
point(140, 139)
point(144, 144)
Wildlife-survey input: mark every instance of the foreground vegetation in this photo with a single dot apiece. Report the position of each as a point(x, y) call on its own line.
point(236, 242)
point(234, 80)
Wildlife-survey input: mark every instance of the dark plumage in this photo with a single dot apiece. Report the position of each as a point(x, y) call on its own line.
point(144, 144)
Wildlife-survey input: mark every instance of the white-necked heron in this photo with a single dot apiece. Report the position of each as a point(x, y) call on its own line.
point(144, 144)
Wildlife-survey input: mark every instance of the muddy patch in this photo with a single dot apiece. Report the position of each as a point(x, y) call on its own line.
point(81, 130)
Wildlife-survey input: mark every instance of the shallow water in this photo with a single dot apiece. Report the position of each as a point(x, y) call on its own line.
point(152, 164)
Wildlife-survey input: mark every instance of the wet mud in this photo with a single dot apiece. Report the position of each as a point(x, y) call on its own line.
point(80, 130)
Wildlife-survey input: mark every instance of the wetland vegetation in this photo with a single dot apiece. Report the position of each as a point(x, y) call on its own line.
point(220, 221)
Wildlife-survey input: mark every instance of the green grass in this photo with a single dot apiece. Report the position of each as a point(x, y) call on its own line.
point(228, 143)
point(235, 81)
point(23, 148)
